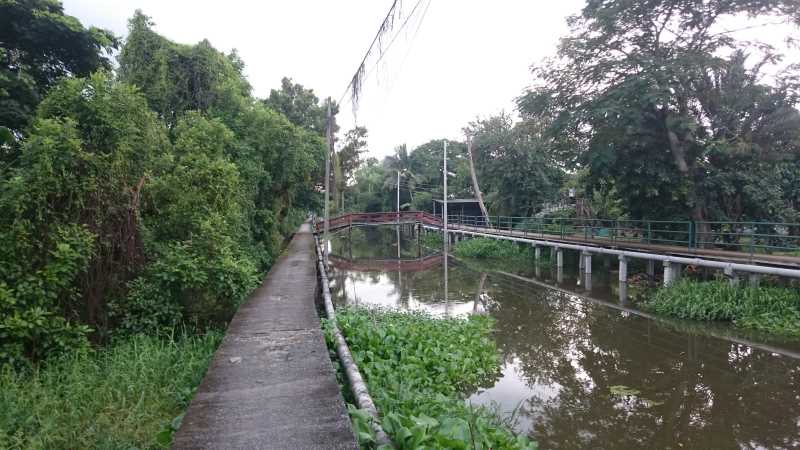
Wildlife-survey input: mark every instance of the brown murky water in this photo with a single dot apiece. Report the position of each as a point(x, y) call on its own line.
point(581, 368)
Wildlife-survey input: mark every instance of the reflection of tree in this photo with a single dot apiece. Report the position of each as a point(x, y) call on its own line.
point(694, 390)
point(697, 391)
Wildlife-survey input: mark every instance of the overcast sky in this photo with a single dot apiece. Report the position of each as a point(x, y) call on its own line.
point(468, 58)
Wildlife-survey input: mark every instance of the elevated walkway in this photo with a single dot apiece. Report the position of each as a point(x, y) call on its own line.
point(271, 384)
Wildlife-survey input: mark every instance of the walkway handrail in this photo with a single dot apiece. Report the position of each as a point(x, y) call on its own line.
point(357, 385)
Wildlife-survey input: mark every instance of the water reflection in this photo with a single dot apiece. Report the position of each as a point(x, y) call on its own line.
point(589, 374)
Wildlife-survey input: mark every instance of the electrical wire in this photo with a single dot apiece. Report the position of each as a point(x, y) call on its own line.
point(384, 51)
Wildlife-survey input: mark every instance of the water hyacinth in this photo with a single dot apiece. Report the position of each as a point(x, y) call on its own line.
point(420, 369)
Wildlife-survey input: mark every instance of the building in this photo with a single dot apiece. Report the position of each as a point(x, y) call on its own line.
point(458, 207)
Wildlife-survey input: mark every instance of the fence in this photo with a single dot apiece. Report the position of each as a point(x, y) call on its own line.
point(747, 237)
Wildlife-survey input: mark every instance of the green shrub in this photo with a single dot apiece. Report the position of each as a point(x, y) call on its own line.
point(128, 395)
point(419, 370)
point(432, 240)
point(770, 309)
point(485, 248)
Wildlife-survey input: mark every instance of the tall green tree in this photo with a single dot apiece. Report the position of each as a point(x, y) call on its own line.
point(514, 166)
point(176, 78)
point(659, 98)
point(39, 44)
point(301, 106)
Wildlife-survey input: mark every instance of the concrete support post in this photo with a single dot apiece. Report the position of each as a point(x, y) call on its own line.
point(669, 273)
point(537, 252)
point(755, 280)
point(731, 275)
point(559, 258)
point(623, 269)
point(623, 293)
point(587, 262)
point(560, 274)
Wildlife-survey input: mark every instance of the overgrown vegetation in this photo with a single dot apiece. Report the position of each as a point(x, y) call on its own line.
point(771, 309)
point(133, 202)
point(141, 200)
point(486, 248)
point(432, 240)
point(129, 395)
point(419, 370)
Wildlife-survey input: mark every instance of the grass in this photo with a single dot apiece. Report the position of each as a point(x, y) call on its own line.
point(770, 309)
point(129, 395)
point(431, 240)
point(420, 370)
point(485, 248)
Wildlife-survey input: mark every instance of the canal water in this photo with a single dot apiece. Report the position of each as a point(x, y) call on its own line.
point(581, 368)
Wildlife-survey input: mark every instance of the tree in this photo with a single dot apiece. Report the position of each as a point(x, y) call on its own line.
point(514, 163)
point(69, 213)
point(301, 106)
point(354, 145)
point(176, 78)
point(38, 45)
point(642, 93)
point(347, 160)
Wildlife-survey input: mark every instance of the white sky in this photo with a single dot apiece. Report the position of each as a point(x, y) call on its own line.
point(469, 57)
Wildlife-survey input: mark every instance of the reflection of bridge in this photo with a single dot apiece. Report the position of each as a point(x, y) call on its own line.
point(381, 218)
point(385, 265)
point(651, 241)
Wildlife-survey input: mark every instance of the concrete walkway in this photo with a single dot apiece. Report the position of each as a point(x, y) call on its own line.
point(271, 384)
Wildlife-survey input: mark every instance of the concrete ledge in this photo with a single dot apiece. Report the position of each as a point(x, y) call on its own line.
point(271, 384)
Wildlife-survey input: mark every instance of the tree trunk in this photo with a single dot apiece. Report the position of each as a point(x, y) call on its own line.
point(698, 212)
point(475, 187)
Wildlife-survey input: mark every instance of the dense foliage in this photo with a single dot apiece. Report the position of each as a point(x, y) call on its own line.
point(142, 200)
point(419, 370)
point(663, 102)
point(130, 395)
point(770, 309)
point(38, 45)
point(486, 248)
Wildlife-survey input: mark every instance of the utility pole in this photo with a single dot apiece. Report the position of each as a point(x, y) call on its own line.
point(329, 139)
point(446, 240)
point(444, 198)
point(398, 197)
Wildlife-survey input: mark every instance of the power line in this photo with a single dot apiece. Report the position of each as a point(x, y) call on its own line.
point(385, 26)
point(361, 74)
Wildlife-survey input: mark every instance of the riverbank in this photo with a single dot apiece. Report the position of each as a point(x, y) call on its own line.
point(130, 394)
point(419, 370)
point(769, 309)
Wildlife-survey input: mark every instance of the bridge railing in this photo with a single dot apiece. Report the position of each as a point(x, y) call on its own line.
point(379, 218)
point(781, 238)
point(747, 237)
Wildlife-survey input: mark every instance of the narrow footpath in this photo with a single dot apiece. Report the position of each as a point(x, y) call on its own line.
point(271, 384)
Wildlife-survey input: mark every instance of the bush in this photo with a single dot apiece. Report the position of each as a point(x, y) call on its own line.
point(128, 395)
point(432, 240)
point(485, 248)
point(419, 371)
point(770, 309)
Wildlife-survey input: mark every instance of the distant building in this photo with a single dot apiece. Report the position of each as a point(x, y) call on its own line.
point(458, 207)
